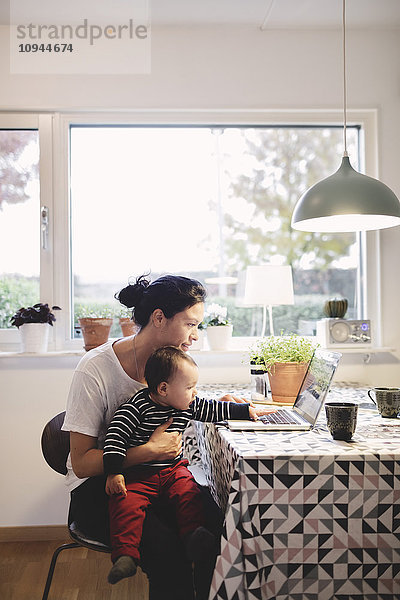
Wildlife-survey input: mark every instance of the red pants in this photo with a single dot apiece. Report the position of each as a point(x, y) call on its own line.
point(175, 484)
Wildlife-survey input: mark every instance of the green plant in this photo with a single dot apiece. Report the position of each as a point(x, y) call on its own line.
point(256, 354)
point(16, 291)
point(124, 312)
point(216, 315)
point(38, 313)
point(248, 321)
point(282, 349)
point(93, 310)
point(336, 307)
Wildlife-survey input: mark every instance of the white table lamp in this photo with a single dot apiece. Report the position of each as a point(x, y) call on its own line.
point(267, 286)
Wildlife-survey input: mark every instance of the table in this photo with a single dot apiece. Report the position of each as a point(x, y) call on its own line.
point(306, 517)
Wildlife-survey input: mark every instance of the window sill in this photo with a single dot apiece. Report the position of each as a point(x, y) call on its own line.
point(202, 352)
point(361, 349)
point(49, 354)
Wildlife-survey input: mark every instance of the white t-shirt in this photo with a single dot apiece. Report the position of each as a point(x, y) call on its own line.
point(99, 386)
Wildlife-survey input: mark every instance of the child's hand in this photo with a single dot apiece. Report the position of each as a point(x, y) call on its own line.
point(115, 484)
point(259, 411)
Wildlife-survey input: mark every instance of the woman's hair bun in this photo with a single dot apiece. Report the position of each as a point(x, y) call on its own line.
point(169, 293)
point(131, 295)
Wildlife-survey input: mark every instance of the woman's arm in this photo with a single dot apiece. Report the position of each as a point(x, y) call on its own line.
point(87, 459)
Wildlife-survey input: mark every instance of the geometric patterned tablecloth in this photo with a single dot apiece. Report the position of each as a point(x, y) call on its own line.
point(306, 517)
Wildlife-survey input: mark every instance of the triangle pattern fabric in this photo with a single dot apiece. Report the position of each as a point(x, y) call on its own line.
point(307, 520)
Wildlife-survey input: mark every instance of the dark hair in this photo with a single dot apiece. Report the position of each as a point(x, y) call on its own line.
point(170, 293)
point(163, 364)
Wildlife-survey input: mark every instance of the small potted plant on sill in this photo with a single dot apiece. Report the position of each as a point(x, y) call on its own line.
point(219, 327)
point(126, 322)
point(95, 321)
point(33, 324)
point(285, 358)
point(336, 308)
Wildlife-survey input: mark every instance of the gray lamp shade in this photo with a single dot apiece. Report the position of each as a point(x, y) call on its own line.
point(346, 201)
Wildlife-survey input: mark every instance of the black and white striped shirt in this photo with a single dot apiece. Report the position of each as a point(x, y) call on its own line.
point(135, 421)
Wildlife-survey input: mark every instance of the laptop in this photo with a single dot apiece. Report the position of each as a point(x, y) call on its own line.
point(309, 401)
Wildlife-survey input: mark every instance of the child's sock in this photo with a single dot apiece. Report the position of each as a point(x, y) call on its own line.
point(200, 544)
point(123, 567)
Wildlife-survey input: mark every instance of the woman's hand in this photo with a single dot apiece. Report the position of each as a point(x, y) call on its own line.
point(259, 411)
point(115, 484)
point(232, 398)
point(164, 444)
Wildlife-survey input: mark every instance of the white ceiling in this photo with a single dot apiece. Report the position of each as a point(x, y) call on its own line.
point(277, 14)
point(264, 14)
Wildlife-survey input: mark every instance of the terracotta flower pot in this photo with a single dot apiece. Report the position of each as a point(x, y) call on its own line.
point(285, 380)
point(128, 327)
point(95, 331)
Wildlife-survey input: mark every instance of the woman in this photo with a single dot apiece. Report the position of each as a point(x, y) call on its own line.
point(168, 312)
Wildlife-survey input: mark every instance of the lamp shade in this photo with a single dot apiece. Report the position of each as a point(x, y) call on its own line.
point(347, 201)
point(268, 285)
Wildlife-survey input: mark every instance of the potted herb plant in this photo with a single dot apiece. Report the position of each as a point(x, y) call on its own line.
point(285, 359)
point(95, 321)
point(219, 327)
point(126, 322)
point(33, 324)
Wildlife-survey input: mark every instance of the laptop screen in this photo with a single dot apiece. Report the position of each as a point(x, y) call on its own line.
point(316, 382)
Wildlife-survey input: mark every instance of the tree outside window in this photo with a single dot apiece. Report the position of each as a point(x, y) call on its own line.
point(19, 221)
point(205, 202)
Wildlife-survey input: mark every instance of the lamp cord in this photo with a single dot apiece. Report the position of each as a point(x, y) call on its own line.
point(344, 79)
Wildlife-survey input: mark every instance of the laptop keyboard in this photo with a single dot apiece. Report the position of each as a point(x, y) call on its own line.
point(280, 416)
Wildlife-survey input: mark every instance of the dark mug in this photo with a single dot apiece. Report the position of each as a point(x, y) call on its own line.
point(387, 399)
point(341, 418)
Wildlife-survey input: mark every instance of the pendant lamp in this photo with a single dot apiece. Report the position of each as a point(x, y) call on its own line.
point(347, 200)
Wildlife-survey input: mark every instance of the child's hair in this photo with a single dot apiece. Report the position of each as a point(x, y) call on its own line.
point(163, 364)
point(171, 293)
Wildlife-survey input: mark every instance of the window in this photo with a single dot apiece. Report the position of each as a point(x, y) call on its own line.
point(200, 194)
point(19, 234)
point(25, 186)
point(206, 202)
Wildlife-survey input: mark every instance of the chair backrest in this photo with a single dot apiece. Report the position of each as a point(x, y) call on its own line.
point(55, 444)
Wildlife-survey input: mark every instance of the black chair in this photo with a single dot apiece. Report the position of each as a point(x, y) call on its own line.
point(55, 448)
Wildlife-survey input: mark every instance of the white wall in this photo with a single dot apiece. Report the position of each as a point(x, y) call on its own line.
point(32, 392)
point(202, 68)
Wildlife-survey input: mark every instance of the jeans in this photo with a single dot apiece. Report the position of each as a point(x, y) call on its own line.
point(174, 484)
point(171, 575)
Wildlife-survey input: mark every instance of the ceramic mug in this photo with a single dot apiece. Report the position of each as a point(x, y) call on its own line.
point(341, 418)
point(387, 400)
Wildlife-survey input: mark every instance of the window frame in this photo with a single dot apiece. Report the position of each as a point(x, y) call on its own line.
point(43, 123)
point(54, 139)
